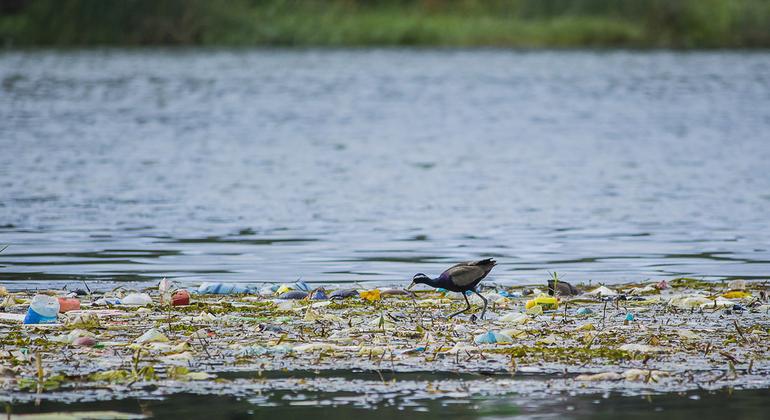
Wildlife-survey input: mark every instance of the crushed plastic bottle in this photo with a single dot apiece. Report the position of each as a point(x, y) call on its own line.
point(223, 289)
point(42, 310)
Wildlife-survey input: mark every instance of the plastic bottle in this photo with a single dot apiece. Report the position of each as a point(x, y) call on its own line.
point(42, 310)
point(222, 289)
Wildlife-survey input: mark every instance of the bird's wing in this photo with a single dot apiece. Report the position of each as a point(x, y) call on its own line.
point(464, 274)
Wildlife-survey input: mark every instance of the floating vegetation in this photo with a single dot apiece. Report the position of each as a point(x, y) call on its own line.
point(643, 336)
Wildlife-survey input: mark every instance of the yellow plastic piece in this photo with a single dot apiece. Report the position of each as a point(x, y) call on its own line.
point(283, 289)
point(547, 302)
point(736, 294)
point(370, 295)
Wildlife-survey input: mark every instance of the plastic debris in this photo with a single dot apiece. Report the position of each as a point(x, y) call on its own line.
point(644, 375)
point(737, 285)
point(646, 290)
point(604, 376)
point(690, 301)
point(394, 292)
point(343, 294)
point(262, 350)
point(266, 291)
point(584, 311)
point(736, 294)
point(319, 294)
point(180, 298)
point(107, 301)
point(634, 375)
point(492, 337)
point(84, 342)
point(629, 316)
point(687, 334)
point(545, 301)
point(223, 289)
point(284, 288)
point(301, 285)
point(370, 295)
point(640, 348)
point(293, 295)
point(68, 304)
point(136, 299)
point(73, 335)
point(152, 336)
point(515, 318)
point(416, 350)
point(514, 333)
point(603, 291)
point(535, 310)
point(42, 310)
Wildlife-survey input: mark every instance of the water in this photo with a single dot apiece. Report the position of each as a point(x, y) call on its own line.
point(719, 405)
point(371, 165)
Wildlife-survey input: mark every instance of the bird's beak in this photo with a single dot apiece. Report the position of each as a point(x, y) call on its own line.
point(411, 285)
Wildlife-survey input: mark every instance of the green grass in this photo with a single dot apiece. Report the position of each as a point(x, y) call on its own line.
point(462, 23)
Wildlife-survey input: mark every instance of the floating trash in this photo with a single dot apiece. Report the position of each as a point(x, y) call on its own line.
point(136, 299)
point(319, 294)
point(492, 337)
point(545, 301)
point(370, 295)
point(223, 289)
point(180, 298)
point(293, 295)
point(603, 291)
point(68, 304)
point(42, 310)
point(343, 294)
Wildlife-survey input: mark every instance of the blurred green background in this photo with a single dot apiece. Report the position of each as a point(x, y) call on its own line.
point(464, 23)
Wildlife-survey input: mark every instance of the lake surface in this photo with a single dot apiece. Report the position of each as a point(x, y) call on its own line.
point(716, 405)
point(371, 165)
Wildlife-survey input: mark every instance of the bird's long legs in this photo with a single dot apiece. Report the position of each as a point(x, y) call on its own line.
point(485, 303)
point(467, 308)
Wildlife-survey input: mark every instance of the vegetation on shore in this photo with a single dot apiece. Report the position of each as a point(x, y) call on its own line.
point(463, 23)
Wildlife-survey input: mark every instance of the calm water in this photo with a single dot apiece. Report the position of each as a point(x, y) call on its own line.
point(268, 165)
point(718, 405)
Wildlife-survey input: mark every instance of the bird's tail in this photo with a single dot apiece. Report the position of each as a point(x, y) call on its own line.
point(486, 262)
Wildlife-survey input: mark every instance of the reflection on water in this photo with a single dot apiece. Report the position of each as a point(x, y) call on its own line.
point(718, 405)
point(371, 165)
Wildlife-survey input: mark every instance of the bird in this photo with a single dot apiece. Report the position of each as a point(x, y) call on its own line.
point(562, 288)
point(460, 278)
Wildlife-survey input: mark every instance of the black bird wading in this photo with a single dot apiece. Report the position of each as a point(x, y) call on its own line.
point(460, 278)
